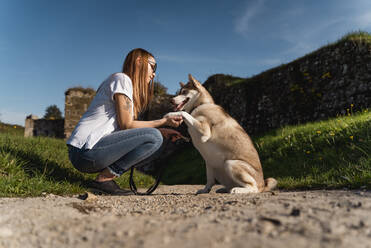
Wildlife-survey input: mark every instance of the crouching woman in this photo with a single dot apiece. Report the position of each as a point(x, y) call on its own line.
point(109, 139)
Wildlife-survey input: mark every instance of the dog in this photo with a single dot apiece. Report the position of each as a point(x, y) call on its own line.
point(229, 154)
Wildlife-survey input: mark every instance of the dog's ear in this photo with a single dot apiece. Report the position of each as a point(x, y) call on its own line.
point(181, 84)
point(194, 82)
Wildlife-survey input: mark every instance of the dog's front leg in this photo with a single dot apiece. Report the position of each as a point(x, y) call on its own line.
point(210, 181)
point(200, 124)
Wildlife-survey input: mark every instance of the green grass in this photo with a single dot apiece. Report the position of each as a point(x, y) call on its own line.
point(329, 154)
point(11, 129)
point(358, 36)
point(31, 166)
point(326, 154)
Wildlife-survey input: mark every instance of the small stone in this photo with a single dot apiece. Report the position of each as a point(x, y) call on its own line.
point(276, 222)
point(227, 239)
point(231, 202)
point(5, 232)
point(357, 205)
point(267, 227)
point(166, 239)
point(338, 229)
point(345, 68)
point(295, 212)
point(88, 197)
point(51, 196)
point(131, 233)
point(224, 208)
point(119, 233)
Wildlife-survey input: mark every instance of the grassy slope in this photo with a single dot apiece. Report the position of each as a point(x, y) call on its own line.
point(327, 154)
point(30, 166)
point(11, 129)
point(333, 153)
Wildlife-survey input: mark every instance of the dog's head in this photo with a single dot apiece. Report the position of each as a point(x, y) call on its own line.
point(187, 96)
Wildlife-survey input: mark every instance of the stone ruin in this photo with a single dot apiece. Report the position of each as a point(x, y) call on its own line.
point(43, 127)
point(77, 101)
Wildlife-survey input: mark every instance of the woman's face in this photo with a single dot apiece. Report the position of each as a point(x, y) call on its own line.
point(151, 69)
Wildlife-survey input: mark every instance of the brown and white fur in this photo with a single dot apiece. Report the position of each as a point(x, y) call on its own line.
point(228, 151)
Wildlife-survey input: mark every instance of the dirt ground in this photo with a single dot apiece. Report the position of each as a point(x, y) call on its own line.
point(175, 217)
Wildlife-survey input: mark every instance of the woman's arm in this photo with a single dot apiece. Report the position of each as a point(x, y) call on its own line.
point(125, 119)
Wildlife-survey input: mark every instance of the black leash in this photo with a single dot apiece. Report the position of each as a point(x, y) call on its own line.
point(159, 167)
point(151, 189)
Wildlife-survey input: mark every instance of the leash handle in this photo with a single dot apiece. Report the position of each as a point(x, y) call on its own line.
point(133, 187)
point(159, 173)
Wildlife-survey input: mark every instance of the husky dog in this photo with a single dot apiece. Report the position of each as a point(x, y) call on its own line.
point(228, 151)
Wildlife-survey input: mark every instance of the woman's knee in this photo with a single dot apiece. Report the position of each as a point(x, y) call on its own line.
point(156, 136)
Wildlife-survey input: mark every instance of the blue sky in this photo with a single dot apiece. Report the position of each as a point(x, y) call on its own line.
point(48, 46)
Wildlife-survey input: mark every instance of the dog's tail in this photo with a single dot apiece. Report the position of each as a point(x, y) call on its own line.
point(270, 183)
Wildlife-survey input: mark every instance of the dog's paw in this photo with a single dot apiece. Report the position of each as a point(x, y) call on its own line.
point(202, 191)
point(223, 191)
point(235, 191)
point(205, 138)
point(247, 190)
point(170, 114)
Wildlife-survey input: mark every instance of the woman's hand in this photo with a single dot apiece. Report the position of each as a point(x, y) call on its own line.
point(173, 121)
point(126, 121)
point(171, 134)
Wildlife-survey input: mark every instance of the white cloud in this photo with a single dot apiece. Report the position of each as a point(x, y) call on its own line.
point(243, 23)
point(270, 62)
point(300, 28)
point(304, 39)
point(364, 20)
point(308, 38)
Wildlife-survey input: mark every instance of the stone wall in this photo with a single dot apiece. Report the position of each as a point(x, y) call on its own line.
point(76, 103)
point(334, 80)
point(43, 127)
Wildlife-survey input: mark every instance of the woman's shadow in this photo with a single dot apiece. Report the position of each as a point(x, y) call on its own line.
point(34, 165)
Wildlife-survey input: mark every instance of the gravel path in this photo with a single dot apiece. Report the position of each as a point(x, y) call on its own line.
point(175, 217)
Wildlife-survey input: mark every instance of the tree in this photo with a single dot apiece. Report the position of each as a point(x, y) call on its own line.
point(53, 112)
point(159, 89)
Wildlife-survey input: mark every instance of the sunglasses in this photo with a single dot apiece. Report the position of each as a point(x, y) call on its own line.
point(153, 66)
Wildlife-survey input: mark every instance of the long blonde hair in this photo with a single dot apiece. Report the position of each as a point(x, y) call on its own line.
point(142, 90)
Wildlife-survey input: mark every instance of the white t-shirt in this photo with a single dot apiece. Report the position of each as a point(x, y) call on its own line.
point(100, 117)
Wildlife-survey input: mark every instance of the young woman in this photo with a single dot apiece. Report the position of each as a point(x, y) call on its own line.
point(108, 138)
